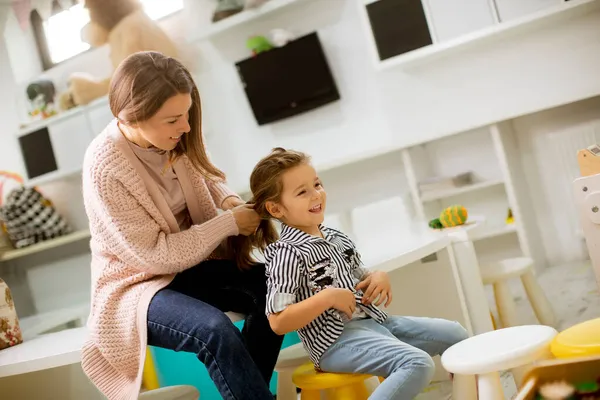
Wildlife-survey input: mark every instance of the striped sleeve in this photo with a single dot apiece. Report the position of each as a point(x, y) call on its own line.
point(283, 267)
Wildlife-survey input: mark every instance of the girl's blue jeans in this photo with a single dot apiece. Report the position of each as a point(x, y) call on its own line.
point(398, 350)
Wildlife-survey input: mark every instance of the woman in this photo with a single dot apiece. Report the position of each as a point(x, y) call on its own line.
point(161, 275)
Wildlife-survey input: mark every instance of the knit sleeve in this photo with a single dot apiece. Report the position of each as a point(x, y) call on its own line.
point(130, 233)
point(219, 191)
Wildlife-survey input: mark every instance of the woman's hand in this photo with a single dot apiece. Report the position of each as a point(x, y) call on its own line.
point(231, 202)
point(246, 219)
point(376, 288)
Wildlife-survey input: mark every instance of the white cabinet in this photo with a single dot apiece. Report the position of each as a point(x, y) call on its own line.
point(99, 116)
point(451, 19)
point(54, 148)
point(70, 139)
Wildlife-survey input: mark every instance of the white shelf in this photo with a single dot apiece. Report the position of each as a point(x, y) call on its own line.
point(36, 125)
point(43, 352)
point(42, 323)
point(484, 38)
point(46, 245)
point(244, 17)
point(496, 231)
point(442, 194)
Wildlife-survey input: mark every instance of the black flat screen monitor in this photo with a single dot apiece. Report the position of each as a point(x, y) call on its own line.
point(288, 80)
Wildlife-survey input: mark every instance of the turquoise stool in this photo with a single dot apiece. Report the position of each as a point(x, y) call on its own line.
point(184, 369)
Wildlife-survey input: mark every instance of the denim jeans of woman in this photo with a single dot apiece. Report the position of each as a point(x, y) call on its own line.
point(398, 350)
point(188, 315)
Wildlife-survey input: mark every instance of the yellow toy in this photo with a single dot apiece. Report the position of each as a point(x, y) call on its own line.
point(452, 216)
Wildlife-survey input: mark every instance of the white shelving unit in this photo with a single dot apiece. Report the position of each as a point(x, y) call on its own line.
point(546, 18)
point(443, 194)
point(245, 17)
point(46, 245)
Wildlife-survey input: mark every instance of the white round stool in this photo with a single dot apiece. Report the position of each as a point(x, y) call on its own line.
point(499, 273)
point(289, 359)
point(488, 353)
point(179, 392)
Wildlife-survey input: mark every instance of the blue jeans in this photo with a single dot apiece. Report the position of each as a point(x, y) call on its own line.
point(188, 315)
point(398, 350)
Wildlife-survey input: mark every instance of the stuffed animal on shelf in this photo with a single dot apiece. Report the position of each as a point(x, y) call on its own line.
point(280, 37)
point(125, 27)
point(451, 216)
point(258, 44)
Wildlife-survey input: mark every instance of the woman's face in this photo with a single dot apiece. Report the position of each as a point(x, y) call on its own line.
point(165, 129)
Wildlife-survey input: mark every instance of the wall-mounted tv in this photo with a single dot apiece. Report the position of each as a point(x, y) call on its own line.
point(288, 80)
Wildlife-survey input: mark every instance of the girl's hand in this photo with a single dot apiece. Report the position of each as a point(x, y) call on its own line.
point(246, 219)
point(231, 202)
point(376, 288)
point(342, 300)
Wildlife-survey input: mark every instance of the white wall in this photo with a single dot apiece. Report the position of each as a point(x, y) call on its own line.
point(454, 94)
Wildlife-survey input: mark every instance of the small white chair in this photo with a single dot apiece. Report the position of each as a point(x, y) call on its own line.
point(498, 274)
point(489, 353)
point(289, 359)
point(179, 392)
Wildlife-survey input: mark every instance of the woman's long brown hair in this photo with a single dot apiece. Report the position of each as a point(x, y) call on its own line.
point(140, 86)
point(266, 185)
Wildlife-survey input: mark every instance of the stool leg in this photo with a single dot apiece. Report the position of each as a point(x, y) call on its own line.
point(310, 394)
point(286, 390)
point(358, 391)
point(489, 387)
point(464, 387)
point(539, 302)
point(506, 304)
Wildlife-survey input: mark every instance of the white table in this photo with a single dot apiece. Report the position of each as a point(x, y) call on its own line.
point(448, 285)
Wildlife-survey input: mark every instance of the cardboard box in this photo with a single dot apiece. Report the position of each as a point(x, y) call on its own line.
point(572, 370)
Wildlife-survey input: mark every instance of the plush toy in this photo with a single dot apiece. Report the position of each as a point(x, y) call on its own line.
point(258, 44)
point(452, 216)
point(280, 37)
point(123, 25)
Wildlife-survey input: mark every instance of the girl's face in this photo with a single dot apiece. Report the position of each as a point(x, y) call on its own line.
point(303, 200)
point(165, 128)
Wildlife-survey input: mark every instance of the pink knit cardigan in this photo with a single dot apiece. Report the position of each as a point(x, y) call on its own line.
point(137, 249)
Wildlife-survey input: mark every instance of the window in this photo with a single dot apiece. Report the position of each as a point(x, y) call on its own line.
point(59, 37)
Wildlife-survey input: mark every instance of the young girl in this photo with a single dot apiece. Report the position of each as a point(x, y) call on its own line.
point(316, 285)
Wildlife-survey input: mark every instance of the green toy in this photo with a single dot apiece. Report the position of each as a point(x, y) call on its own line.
point(258, 44)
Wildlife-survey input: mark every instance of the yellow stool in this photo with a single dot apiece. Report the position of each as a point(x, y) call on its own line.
point(580, 340)
point(341, 386)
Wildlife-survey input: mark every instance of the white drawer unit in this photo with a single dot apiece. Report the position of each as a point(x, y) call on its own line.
point(54, 148)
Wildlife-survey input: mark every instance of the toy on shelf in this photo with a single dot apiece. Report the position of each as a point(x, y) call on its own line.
point(280, 37)
point(510, 219)
point(450, 217)
point(125, 28)
point(227, 8)
point(258, 44)
point(41, 95)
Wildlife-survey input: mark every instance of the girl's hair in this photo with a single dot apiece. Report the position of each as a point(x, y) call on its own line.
point(140, 86)
point(266, 185)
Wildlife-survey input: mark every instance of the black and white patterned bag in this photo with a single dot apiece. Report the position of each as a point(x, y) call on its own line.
point(28, 218)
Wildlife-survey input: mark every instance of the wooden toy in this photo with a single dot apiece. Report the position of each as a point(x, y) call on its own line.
point(589, 160)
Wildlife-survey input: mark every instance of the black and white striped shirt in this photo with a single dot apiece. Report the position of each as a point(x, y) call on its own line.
point(300, 265)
